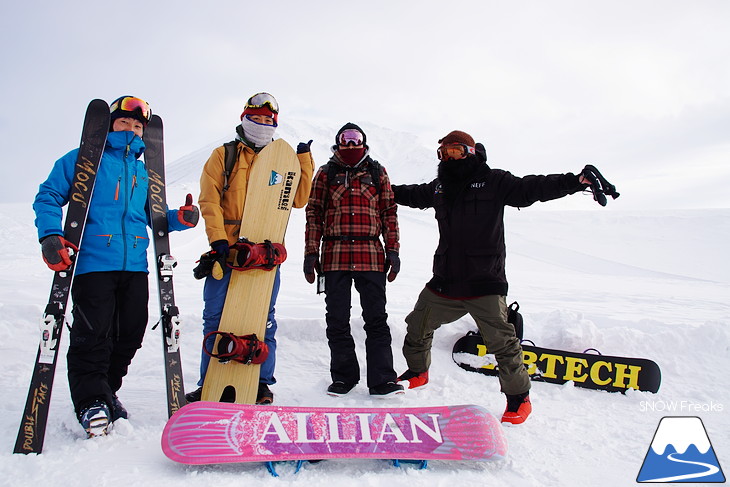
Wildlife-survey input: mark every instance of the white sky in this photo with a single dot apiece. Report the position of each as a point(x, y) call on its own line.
point(640, 89)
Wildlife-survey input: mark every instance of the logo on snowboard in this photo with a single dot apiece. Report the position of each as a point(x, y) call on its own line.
point(275, 178)
point(681, 452)
point(285, 196)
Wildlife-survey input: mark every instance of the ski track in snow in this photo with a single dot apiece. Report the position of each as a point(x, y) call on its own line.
point(652, 285)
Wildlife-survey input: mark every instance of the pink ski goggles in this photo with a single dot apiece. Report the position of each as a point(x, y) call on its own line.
point(350, 137)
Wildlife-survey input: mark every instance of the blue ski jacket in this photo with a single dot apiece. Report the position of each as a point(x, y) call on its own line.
point(115, 236)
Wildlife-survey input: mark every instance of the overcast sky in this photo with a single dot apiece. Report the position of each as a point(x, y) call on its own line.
point(640, 89)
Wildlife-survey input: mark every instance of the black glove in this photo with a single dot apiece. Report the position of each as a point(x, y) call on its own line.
point(221, 247)
point(304, 147)
point(392, 262)
point(599, 185)
point(311, 263)
point(55, 252)
point(210, 264)
point(188, 214)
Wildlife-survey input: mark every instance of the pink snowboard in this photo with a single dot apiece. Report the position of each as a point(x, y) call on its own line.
point(212, 432)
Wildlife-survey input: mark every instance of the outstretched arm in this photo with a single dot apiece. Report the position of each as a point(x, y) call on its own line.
point(416, 195)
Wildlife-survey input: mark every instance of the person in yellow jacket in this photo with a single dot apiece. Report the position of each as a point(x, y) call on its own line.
point(221, 203)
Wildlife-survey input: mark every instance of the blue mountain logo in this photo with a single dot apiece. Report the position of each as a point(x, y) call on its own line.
point(275, 178)
point(681, 452)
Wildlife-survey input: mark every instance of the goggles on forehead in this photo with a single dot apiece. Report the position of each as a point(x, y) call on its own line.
point(131, 104)
point(454, 151)
point(261, 100)
point(350, 137)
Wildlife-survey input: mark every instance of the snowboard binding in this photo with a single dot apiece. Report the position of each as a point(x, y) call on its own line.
point(600, 187)
point(247, 349)
point(251, 255)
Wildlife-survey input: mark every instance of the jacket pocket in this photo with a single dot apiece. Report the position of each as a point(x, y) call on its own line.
point(484, 264)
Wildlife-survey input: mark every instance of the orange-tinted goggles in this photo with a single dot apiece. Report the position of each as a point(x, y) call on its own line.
point(131, 104)
point(454, 151)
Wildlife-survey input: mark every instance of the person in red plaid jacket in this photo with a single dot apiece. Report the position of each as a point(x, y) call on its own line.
point(351, 205)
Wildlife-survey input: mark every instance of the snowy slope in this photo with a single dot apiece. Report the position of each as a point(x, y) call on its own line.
point(644, 284)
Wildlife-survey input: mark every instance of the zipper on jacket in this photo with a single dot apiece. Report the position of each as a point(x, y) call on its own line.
point(108, 240)
point(126, 209)
point(137, 238)
point(116, 192)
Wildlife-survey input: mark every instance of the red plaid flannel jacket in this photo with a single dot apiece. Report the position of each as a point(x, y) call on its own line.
point(351, 207)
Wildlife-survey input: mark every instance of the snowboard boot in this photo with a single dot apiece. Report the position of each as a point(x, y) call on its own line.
point(415, 379)
point(118, 411)
point(339, 388)
point(264, 396)
point(387, 389)
point(95, 419)
point(195, 395)
point(518, 408)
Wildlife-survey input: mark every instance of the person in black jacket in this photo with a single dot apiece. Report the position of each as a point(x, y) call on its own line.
point(469, 264)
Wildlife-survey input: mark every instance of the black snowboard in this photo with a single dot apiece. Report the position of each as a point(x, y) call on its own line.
point(589, 370)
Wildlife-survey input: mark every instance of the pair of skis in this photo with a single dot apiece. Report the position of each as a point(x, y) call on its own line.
point(32, 429)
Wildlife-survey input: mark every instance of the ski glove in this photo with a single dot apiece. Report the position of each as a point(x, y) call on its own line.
point(188, 214)
point(304, 147)
point(55, 252)
point(392, 262)
point(600, 187)
point(311, 263)
point(210, 264)
point(221, 248)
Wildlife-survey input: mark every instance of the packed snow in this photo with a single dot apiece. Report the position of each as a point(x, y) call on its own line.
point(648, 284)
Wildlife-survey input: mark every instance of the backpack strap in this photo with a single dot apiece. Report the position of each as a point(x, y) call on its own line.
point(230, 161)
point(374, 168)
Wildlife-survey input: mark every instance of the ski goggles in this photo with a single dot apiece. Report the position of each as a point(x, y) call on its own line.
point(131, 104)
point(454, 151)
point(350, 137)
point(261, 100)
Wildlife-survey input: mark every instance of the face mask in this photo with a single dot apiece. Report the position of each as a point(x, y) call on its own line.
point(351, 156)
point(258, 133)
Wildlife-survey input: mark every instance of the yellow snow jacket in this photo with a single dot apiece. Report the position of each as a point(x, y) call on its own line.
point(222, 212)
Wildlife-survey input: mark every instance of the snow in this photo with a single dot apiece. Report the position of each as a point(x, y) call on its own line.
point(650, 284)
point(680, 433)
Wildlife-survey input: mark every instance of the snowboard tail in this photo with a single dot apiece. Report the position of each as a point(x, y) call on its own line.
point(209, 433)
point(588, 370)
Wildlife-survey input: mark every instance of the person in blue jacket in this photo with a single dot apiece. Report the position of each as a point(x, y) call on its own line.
point(110, 287)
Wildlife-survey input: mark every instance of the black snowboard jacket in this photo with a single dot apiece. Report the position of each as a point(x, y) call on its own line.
point(470, 258)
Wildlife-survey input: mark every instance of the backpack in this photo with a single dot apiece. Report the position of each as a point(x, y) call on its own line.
point(230, 161)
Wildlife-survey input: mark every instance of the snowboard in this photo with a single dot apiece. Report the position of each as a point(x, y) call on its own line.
point(272, 184)
point(588, 370)
point(32, 429)
point(154, 158)
point(209, 433)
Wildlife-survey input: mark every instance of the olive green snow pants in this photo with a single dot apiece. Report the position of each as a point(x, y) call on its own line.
point(489, 312)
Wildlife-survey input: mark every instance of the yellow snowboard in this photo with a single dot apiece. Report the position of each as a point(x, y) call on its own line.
point(272, 184)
